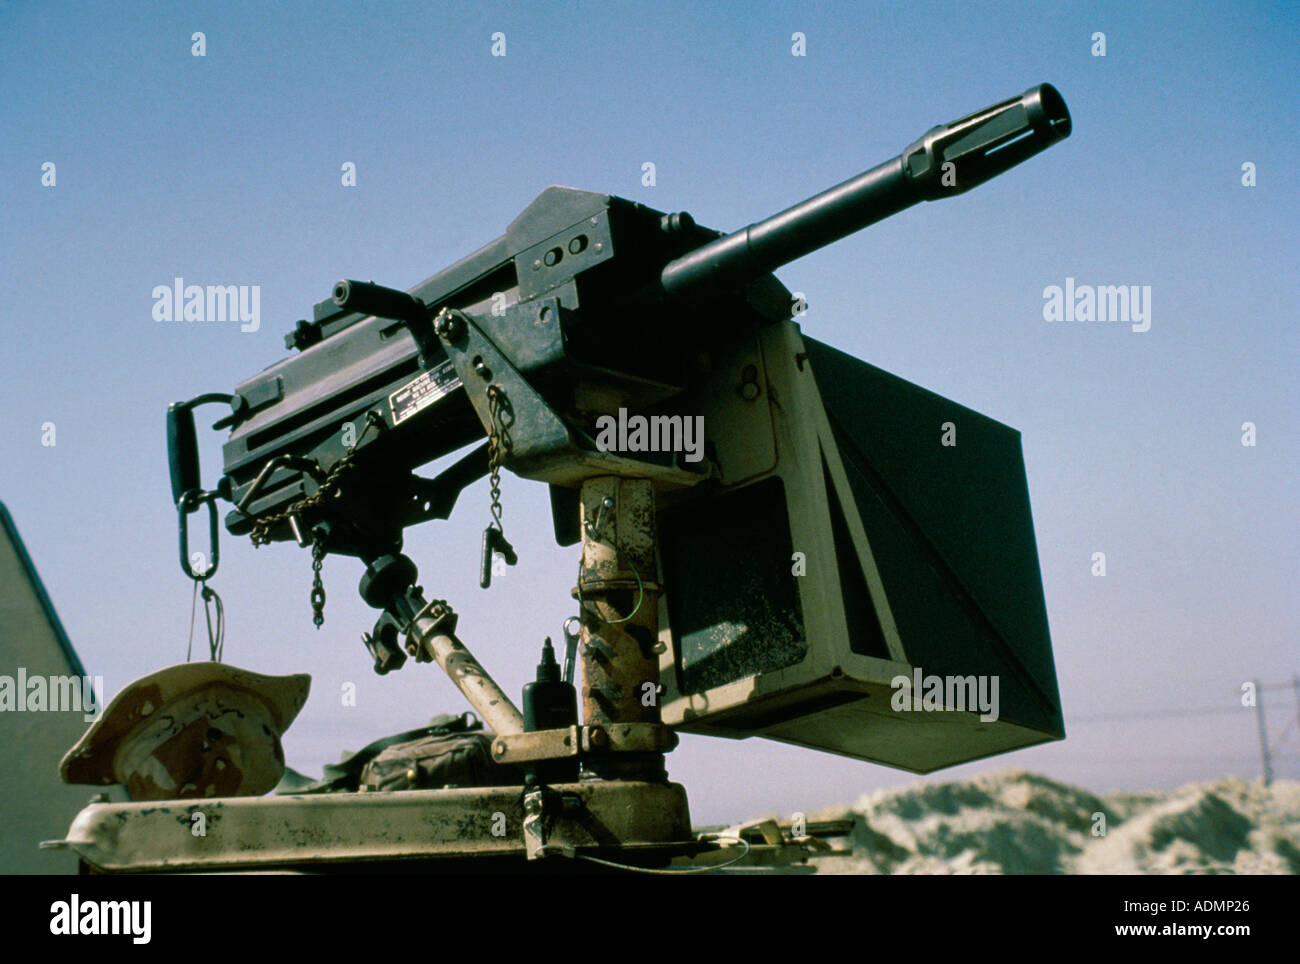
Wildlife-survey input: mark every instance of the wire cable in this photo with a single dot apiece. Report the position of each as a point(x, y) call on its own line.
point(655, 870)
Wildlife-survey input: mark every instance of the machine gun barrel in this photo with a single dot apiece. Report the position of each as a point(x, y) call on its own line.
point(947, 160)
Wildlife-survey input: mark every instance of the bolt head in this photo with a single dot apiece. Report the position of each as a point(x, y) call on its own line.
point(447, 325)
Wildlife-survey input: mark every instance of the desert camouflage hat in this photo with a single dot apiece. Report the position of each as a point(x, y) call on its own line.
point(199, 729)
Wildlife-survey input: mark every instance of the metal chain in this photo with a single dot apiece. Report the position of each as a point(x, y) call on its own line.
point(261, 531)
point(498, 445)
point(317, 586)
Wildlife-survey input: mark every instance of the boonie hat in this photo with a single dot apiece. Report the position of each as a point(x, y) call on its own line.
point(200, 729)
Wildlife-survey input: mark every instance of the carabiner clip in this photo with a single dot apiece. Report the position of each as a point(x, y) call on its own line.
point(186, 504)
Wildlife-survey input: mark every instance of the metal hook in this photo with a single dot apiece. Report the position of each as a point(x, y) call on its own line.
point(187, 503)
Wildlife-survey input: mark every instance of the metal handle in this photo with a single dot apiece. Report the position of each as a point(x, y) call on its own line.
point(183, 446)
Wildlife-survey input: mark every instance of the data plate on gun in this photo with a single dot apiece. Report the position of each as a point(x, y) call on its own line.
point(423, 391)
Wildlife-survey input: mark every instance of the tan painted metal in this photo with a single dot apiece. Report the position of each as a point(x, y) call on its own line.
point(316, 830)
point(573, 740)
point(619, 596)
point(433, 632)
point(834, 700)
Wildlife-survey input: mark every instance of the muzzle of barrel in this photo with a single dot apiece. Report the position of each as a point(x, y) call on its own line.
point(956, 157)
point(947, 160)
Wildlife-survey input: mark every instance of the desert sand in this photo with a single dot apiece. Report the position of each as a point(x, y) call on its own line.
point(1014, 822)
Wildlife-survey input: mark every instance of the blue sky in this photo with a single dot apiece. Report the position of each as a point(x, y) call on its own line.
point(224, 169)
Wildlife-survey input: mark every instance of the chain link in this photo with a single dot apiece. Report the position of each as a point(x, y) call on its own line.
point(317, 585)
point(498, 445)
point(261, 531)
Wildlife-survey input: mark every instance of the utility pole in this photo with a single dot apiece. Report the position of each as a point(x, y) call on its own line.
point(1263, 733)
point(1295, 685)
